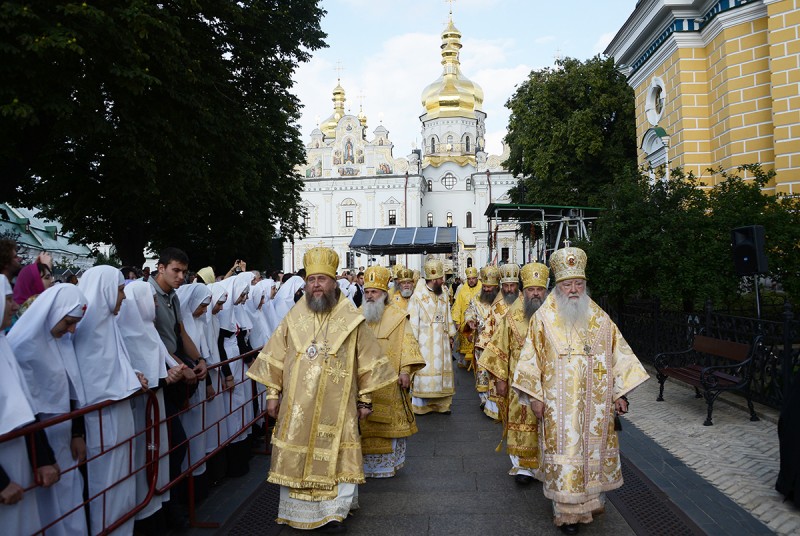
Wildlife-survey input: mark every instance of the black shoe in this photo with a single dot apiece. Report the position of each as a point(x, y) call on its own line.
point(570, 529)
point(523, 480)
point(333, 527)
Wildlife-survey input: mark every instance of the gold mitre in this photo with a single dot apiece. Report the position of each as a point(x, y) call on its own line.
point(509, 273)
point(471, 271)
point(377, 277)
point(405, 274)
point(434, 269)
point(534, 274)
point(490, 276)
point(321, 260)
point(416, 276)
point(568, 263)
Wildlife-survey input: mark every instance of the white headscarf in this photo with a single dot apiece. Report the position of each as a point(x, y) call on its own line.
point(235, 287)
point(218, 294)
point(16, 408)
point(136, 323)
point(49, 364)
point(191, 297)
point(258, 333)
point(284, 299)
point(103, 360)
point(266, 311)
point(245, 279)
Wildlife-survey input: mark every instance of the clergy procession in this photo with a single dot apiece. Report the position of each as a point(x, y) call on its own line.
point(339, 388)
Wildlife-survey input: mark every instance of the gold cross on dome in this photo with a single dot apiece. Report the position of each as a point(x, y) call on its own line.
point(339, 68)
point(451, 6)
point(337, 373)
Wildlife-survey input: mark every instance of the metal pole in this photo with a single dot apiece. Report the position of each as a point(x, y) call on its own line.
point(758, 302)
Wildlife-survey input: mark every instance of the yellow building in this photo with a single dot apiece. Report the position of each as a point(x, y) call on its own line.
point(716, 84)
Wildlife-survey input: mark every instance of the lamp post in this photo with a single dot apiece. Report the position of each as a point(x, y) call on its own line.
point(665, 141)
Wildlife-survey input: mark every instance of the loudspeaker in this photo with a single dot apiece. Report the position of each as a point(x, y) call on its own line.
point(749, 257)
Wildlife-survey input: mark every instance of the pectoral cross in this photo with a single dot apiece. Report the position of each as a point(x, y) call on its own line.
point(337, 373)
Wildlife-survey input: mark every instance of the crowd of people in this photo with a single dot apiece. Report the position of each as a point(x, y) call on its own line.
point(344, 364)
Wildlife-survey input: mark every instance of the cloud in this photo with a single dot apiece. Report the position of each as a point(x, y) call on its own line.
point(602, 43)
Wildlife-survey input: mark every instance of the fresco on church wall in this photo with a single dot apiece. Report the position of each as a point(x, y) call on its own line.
point(383, 169)
point(315, 170)
point(348, 152)
point(349, 171)
point(337, 157)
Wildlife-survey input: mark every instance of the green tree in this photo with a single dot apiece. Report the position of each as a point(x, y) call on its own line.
point(671, 239)
point(571, 131)
point(156, 123)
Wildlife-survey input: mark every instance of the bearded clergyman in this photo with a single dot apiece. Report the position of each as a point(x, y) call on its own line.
point(429, 314)
point(475, 317)
point(404, 288)
point(576, 369)
point(384, 432)
point(500, 358)
point(464, 295)
point(320, 367)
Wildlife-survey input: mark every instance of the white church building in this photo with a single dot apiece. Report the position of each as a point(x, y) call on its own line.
point(353, 181)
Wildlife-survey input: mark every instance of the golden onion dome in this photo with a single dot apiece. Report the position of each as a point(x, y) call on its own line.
point(328, 127)
point(362, 117)
point(452, 94)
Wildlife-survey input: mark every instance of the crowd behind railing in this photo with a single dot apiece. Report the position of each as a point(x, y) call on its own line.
point(124, 398)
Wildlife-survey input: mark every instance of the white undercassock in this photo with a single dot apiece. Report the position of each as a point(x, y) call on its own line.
point(16, 410)
point(107, 374)
point(51, 373)
point(136, 321)
point(216, 408)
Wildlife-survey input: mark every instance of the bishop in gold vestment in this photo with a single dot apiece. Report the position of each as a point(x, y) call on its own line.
point(384, 432)
point(404, 288)
point(429, 315)
point(465, 294)
point(322, 362)
point(576, 368)
point(500, 358)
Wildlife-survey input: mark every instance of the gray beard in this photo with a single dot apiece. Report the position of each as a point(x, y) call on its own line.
point(323, 304)
point(510, 298)
point(573, 312)
point(407, 293)
point(530, 306)
point(373, 311)
point(489, 297)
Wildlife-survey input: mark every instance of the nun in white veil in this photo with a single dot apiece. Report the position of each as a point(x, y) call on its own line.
point(107, 374)
point(16, 410)
point(267, 308)
point(284, 299)
point(215, 400)
point(148, 356)
point(195, 300)
point(242, 400)
point(254, 304)
point(42, 343)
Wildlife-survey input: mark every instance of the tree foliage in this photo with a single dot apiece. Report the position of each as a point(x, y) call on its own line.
point(157, 123)
point(571, 131)
point(671, 240)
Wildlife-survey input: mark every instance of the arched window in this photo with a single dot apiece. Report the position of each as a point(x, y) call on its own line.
point(469, 262)
point(466, 144)
point(469, 184)
point(433, 145)
point(449, 143)
point(469, 220)
point(430, 185)
point(449, 219)
point(430, 219)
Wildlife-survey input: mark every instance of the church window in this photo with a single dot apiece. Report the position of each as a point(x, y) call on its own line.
point(466, 144)
point(348, 218)
point(449, 219)
point(433, 145)
point(469, 220)
point(504, 254)
point(392, 217)
point(430, 219)
point(449, 143)
point(469, 181)
point(430, 185)
point(306, 221)
point(449, 180)
point(469, 262)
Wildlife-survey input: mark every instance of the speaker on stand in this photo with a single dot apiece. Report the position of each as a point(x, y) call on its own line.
point(749, 255)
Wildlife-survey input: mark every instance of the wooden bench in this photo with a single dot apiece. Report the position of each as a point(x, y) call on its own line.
point(691, 367)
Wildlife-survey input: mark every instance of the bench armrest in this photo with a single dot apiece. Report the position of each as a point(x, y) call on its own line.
point(675, 359)
point(709, 378)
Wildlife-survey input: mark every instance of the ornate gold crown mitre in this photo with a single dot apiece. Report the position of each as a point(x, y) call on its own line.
point(405, 275)
point(396, 269)
point(471, 272)
point(534, 274)
point(568, 263)
point(490, 276)
point(509, 273)
point(321, 260)
point(434, 269)
point(377, 277)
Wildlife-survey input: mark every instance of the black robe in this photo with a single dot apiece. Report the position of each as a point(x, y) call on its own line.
point(789, 436)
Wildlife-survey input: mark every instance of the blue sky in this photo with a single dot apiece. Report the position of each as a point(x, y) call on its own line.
point(389, 51)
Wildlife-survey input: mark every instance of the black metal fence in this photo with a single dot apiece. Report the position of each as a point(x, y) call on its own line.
point(650, 330)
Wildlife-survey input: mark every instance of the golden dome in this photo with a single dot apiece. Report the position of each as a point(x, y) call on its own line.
point(452, 94)
point(328, 127)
